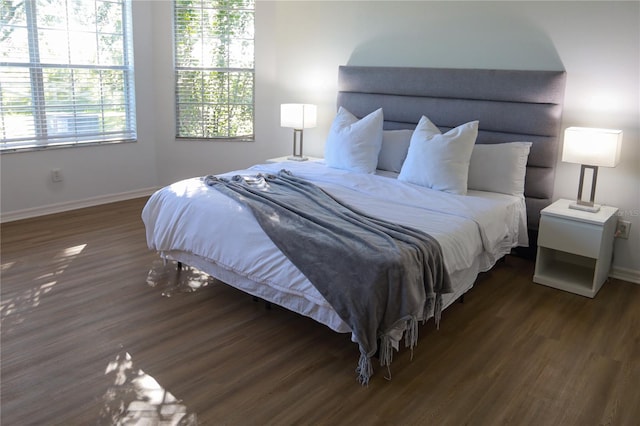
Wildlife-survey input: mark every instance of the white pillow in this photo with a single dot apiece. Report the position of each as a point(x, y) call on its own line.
point(354, 144)
point(395, 144)
point(499, 167)
point(440, 161)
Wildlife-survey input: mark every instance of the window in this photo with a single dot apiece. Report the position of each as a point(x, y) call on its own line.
point(66, 73)
point(214, 62)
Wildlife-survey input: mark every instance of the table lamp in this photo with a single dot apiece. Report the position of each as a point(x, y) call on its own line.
point(591, 148)
point(298, 117)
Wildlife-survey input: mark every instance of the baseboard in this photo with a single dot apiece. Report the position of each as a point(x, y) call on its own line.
point(73, 205)
point(625, 274)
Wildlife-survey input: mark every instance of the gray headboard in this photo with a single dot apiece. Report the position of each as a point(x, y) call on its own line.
point(510, 106)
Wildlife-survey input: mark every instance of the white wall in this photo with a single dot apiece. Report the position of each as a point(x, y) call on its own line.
point(300, 45)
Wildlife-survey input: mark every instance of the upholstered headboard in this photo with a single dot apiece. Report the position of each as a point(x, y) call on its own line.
point(510, 106)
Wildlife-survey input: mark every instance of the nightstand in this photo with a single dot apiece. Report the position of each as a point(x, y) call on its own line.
point(286, 159)
point(575, 248)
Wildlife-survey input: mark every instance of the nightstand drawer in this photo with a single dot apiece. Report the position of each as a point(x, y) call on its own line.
point(570, 236)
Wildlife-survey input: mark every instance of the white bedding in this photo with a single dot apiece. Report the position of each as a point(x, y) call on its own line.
point(195, 224)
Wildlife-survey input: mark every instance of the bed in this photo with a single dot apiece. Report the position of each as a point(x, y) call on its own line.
point(513, 118)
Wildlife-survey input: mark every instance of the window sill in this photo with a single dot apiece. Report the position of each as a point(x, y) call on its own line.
point(62, 146)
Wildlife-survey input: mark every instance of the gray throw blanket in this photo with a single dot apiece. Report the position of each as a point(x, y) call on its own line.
point(378, 276)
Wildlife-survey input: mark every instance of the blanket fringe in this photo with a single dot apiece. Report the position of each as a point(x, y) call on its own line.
point(437, 313)
point(386, 351)
point(364, 369)
point(411, 334)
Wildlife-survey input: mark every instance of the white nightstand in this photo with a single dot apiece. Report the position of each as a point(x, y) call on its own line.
point(575, 248)
point(286, 159)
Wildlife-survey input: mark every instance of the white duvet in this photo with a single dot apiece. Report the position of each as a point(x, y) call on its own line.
point(198, 225)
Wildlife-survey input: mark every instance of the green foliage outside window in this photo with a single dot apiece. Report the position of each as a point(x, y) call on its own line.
point(214, 65)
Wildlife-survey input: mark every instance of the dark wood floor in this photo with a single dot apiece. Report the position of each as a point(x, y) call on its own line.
point(96, 330)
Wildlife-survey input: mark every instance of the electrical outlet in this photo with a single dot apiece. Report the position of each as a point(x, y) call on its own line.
point(623, 228)
point(56, 175)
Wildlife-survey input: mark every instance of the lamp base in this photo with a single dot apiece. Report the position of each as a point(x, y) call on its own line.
point(297, 158)
point(595, 208)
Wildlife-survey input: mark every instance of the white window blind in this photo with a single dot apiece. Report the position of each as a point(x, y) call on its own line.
point(66, 73)
point(214, 66)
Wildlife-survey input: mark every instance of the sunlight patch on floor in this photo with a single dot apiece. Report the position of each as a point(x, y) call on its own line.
point(136, 398)
point(12, 306)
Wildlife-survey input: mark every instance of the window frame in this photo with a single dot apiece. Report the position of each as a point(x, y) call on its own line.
point(228, 70)
point(43, 135)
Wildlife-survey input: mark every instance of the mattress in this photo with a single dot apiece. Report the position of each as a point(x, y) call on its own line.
point(195, 224)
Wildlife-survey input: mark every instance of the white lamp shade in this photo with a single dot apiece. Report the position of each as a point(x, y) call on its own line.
point(593, 147)
point(298, 116)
